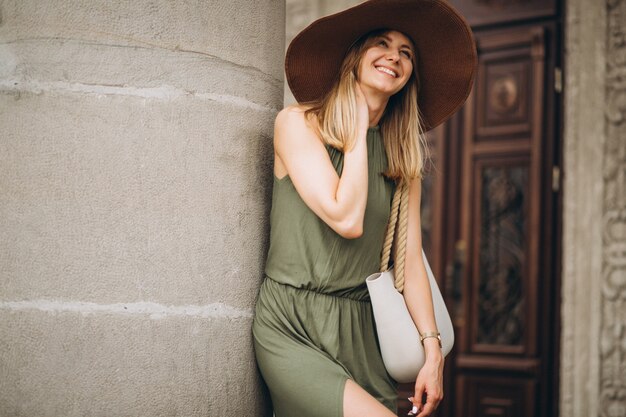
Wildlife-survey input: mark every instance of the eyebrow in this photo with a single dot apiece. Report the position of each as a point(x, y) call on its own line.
point(402, 46)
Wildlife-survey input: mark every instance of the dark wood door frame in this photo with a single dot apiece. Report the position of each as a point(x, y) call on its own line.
point(546, 243)
point(541, 30)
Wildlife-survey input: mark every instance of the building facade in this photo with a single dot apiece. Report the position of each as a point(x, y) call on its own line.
point(135, 187)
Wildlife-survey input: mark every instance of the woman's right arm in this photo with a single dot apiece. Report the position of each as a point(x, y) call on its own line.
point(338, 201)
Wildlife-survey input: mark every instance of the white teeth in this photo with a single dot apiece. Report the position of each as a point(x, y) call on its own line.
point(387, 71)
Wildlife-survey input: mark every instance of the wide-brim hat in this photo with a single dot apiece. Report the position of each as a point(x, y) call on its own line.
point(446, 51)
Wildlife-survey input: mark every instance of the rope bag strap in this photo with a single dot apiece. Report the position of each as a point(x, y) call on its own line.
point(398, 219)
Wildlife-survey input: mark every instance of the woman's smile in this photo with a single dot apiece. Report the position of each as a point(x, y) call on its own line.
point(386, 70)
point(390, 56)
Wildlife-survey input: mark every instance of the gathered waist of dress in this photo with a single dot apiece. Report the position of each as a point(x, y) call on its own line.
point(360, 293)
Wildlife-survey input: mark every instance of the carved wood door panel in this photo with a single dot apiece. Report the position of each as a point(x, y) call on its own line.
point(489, 216)
point(500, 289)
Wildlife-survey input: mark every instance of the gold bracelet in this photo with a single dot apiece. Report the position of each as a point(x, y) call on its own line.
point(431, 334)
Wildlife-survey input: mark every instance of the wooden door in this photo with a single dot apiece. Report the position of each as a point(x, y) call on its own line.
point(490, 227)
point(500, 301)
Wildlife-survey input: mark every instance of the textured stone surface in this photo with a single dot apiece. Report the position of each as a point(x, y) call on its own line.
point(61, 63)
point(613, 332)
point(593, 348)
point(237, 31)
point(132, 199)
point(583, 148)
point(67, 364)
point(135, 187)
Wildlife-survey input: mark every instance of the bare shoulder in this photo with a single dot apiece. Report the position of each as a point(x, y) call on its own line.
point(295, 141)
point(293, 128)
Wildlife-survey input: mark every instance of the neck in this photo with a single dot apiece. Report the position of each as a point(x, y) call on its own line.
point(376, 111)
point(376, 103)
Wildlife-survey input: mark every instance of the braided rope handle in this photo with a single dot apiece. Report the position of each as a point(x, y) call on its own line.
point(397, 219)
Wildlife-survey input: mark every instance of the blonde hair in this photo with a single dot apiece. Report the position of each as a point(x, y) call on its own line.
point(401, 124)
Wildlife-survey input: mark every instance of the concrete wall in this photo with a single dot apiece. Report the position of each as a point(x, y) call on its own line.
point(135, 176)
point(593, 348)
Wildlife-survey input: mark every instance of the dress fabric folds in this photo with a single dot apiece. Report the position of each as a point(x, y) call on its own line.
point(314, 326)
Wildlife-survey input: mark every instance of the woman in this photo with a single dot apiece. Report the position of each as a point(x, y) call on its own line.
point(362, 77)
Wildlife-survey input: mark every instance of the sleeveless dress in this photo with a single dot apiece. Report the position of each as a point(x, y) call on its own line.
point(314, 326)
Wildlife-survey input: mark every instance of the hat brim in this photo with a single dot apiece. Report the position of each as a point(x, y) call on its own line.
point(446, 51)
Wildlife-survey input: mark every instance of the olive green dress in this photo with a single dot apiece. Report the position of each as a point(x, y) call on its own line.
point(313, 326)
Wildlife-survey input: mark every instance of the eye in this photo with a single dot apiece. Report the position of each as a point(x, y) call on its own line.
point(382, 41)
point(407, 54)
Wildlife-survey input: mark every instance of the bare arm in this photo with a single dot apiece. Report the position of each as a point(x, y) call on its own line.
point(417, 294)
point(339, 201)
point(417, 291)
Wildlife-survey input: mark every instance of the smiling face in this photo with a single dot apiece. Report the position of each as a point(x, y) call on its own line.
point(387, 64)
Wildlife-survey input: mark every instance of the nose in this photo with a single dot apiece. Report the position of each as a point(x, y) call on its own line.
point(393, 56)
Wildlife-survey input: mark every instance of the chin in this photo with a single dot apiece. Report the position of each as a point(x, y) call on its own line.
point(387, 91)
point(387, 88)
point(382, 87)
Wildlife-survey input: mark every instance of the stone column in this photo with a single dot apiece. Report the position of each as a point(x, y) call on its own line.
point(135, 180)
point(593, 352)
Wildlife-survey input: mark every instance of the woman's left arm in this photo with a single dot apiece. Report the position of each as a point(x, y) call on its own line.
point(417, 294)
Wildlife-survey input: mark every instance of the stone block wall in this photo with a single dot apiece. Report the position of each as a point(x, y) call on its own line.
point(135, 181)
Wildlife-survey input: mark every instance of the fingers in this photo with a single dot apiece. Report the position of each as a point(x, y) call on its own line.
point(358, 91)
point(417, 400)
point(358, 87)
point(362, 107)
point(414, 410)
point(360, 95)
point(432, 402)
point(428, 409)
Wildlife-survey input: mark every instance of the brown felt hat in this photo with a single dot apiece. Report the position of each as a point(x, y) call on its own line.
point(446, 52)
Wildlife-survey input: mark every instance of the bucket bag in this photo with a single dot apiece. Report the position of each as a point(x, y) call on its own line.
point(399, 339)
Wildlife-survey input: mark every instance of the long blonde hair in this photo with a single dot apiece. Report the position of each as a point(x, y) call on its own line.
point(401, 125)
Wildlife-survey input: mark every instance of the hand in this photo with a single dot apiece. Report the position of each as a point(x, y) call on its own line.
point(363, 112)
point(429, 381)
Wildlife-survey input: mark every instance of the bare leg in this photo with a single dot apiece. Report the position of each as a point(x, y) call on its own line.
point(358, 403)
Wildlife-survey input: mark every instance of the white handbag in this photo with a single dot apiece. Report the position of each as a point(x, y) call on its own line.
point(398, 337)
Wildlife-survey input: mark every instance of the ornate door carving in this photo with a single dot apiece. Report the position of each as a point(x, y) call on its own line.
point(488, 221)
point(502, 287)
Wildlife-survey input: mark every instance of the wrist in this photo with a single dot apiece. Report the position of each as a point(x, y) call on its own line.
point(432, 351)
point(428, 335)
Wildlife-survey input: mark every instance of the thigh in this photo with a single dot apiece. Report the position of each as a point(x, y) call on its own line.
point(357, 403)
point(302, 380)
